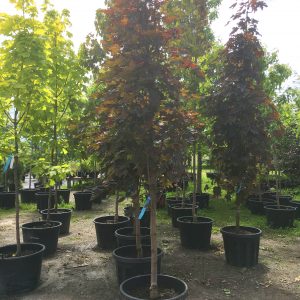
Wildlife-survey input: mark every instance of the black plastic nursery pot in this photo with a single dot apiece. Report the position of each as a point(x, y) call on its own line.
point(195, 235)
point(7, 200)
point(170, 205)
point(137, 288)
point(129, 265)
point(42, 232)
point(63, 195)
point(257, 207)
point(269, 195)
point(171, 201)
point(125, 236)
point(28, 195)
point(83, 200)
point(22, 273)
point(202, 199)
point(105, 230)
point(100, 195)
point(62, 215)
point(283, 199)
point(296, 204)
point(241, 245)
point(180, 211)
point(42, 200)
point(1, 188)
point(280, 216)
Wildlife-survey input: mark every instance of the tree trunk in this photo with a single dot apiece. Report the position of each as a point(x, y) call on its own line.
point(49, 204)
point(16, 182)
point(194, 184)
point(277, 187)
point(137, 223)
point(116, 208)
point(199, 171)
point(238, 212)
point(153, 232)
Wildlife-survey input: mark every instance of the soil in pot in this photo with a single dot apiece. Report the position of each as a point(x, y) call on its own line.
point(128, 264)
point(241, 245)
point(22, 273)
point(7, 200)
point(181, 211)
point(280, 216)
point(62, 215)
point(125, 236)
point(195, 235)
point(137, 288)
point(83, 200)
point(42, 200)
point(28, 195)
point(42, 232)
point(105, 230)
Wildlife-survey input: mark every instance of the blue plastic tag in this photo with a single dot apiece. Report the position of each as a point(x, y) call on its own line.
point(7, 164)
point(143, 210)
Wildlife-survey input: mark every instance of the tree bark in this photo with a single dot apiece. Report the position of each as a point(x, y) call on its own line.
point(16, 182)
point(153, 231)
point(199, 171)
point(137, 223)
point(194, 183)
point(116, 208)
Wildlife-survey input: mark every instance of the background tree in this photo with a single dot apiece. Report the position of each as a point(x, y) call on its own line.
point(240, 108)
point(22, 59)
point(141, 123)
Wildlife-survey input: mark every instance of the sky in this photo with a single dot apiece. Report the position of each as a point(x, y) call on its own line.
point(279, 24)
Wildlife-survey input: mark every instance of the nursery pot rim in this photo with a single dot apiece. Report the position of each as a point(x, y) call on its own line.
point(207, 221)
point(184, 207)
point(241, 235)
point(158, 275)
point(7, 193)
point(22, 256)
point(105, 223)
point(81, 192)
point(59, 211)
point(117, 234)
point(280, 207)
point(58, 224)
point(160, 254)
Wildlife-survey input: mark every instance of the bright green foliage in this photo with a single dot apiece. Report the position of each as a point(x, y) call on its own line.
point(240, 108)
point(64, 83)
point(53, 174)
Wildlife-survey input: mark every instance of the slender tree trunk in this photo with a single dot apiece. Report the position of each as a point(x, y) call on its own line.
point(153, 232)
point(116, 208)
point(30, 177)
point(277, 187)
point(49, 204)
point(194, 184)
point(137, 223)
point(16, 182)
point(238, 211)
point(199, 171)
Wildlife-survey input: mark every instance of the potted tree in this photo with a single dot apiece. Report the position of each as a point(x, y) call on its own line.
point(46, 232)
point(195, 231)
point(22, 54)
point(239, 108)
point(140, 116)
